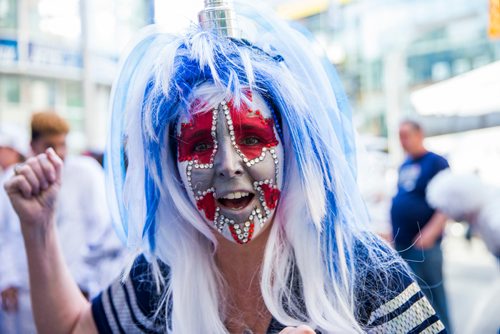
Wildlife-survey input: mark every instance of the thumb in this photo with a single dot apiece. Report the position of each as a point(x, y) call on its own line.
point(56, 162)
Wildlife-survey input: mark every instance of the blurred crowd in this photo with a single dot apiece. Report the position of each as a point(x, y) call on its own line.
point(428, 195)
point(91, 248)
point(424, 197)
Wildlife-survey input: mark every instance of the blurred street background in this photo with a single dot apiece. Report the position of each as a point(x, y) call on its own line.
point(437, 61)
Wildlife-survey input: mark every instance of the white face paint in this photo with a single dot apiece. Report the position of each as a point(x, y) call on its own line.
point(231, 162)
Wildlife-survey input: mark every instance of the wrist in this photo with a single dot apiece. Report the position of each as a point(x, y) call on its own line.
point(38, 233)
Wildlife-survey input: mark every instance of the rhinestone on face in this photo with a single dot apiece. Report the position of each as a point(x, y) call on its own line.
point(241, 232)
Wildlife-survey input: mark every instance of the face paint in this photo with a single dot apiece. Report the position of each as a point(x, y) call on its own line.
point(230, 160)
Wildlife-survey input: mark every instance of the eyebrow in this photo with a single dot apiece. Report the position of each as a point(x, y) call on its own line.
point(251, 126)
point(197, 134)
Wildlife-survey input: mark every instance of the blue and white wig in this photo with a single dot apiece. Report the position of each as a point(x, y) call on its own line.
point(321, 219)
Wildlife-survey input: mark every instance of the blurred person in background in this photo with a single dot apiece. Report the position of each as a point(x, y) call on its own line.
point(14, 149)
point(417, 227)
point(13, 146)
point(466, 198)
point(88, 242)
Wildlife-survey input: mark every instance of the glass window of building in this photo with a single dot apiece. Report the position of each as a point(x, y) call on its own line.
point(8, 14)
point(10, 89)
point(43, 94)
point(74, 94)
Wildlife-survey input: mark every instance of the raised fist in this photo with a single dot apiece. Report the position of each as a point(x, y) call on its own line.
point(34, 187)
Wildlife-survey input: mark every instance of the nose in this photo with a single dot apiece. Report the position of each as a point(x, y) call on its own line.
point(227, 162)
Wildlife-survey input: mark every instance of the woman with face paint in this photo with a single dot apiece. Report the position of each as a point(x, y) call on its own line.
point(230, 161)
point(231, 169)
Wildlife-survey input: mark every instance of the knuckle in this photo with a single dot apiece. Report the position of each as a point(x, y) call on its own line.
point(31, 160)
point(42, 157)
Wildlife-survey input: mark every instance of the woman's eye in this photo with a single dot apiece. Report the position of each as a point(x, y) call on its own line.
point(250, 141)
point(202, 147)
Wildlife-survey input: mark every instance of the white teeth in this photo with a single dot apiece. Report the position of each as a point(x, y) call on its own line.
point(234, 195)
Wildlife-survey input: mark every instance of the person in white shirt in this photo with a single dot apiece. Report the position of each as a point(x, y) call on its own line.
point(14, 149)
point(89, 244)
point(13, 146)
point(465, 197)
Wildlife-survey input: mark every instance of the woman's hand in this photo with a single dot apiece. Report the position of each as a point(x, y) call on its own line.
point(33, 189)
point(303, 329)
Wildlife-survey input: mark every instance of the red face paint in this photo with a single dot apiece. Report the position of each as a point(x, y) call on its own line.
point(243, 133)
point(252, 131)
point(271, 195)
point(195, 140)
point(235, 234)
point(207, 204)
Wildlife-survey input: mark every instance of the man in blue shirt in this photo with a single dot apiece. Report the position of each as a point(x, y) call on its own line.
point(417, 228)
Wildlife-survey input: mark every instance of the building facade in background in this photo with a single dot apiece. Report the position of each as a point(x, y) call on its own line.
point(386, 49)
point(62, 54)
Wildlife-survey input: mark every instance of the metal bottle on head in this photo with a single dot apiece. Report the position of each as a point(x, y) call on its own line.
point(218, 17)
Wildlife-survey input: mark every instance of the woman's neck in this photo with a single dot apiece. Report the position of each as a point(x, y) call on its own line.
point(237, 261)
point(240, 266)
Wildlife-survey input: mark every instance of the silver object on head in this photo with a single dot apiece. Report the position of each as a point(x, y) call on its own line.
point(218, 17)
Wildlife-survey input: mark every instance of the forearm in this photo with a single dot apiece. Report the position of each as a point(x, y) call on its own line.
point(435, 227)
point(56, 299)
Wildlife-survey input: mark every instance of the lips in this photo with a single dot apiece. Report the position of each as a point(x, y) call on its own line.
point(235, 200)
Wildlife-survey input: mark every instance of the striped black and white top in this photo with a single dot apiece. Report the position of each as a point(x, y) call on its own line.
point(131, 306)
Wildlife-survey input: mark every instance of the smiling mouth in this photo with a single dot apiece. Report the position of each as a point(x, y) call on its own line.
point(236, 200)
